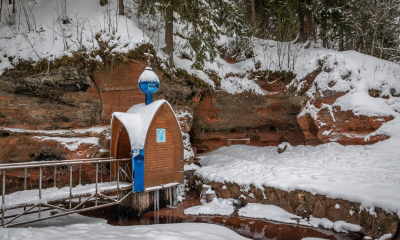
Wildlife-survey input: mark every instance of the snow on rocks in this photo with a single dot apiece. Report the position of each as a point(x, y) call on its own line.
point(71, 143)
point(351, 97)
point(338, 226)
point(268, 212)
point(98, 130)
point(275, 213)
point(185, 118)
point(217, 206)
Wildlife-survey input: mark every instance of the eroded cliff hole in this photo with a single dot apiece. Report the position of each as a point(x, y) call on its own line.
point(267, 120)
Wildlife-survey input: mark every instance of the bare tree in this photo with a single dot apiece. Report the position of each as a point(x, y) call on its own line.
point(302, 30)
point(121, 7)
point(253, 14)
point(397, 41)
point(1, 8)
point(310, 27)
point(169, 32)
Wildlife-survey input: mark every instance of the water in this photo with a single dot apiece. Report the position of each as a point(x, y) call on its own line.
point(250, 228)
point(149, 86)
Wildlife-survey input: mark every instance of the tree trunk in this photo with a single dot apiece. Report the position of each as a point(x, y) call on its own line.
point(324, 39)
point(302, 30)
point(310, 27)
point(253, 15)
point(341, 41)
point(121, 7)
point(397, 38)
point(1, 8)
point(14, 6)
point(375, 28)
point(169, 33)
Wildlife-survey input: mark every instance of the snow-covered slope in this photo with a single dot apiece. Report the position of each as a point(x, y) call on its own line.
point(48, 38)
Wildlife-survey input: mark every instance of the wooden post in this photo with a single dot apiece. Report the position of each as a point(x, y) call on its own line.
point(228, 142)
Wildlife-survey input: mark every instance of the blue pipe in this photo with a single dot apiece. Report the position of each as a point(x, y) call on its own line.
point(148, 98)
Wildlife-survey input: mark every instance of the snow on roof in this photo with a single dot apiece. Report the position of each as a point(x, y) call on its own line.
point(137, 121)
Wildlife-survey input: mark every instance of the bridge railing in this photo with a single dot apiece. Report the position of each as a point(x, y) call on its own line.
point(123, 181)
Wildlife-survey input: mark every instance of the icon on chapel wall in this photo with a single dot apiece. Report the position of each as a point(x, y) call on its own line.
point(160, 135)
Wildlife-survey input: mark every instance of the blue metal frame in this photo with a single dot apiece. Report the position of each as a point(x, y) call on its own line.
point(138, 172)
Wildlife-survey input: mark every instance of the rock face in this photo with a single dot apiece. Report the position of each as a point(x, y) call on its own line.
point(68, 98)
point(323, 122)
point(340, 126)
point(65, 98)
point(267, 119)
point(305, 204)
point(118, 88)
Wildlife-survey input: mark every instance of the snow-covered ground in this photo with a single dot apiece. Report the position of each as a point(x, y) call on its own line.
point(369, 175)
point(79, 227)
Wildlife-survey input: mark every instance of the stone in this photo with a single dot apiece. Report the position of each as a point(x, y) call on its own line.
point(305, 204)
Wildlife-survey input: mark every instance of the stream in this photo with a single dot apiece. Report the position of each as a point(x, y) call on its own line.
point(247, 227)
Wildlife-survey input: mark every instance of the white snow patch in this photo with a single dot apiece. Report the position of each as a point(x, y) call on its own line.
point(338, 226)
point(71, 143)
point(192, 166)
point(268, 212)
point(386, 236)
point(49, 132)
point(275, 213)
point(218, 206)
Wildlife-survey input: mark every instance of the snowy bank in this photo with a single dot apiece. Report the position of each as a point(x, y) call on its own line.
point(354, 173)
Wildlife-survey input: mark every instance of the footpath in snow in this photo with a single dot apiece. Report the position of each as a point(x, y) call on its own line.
point(369, 175)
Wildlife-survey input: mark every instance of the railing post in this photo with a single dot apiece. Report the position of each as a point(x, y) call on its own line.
point(3, 198)
point(40, 191)
point(170, 196)
point(117, 180)
point(25, 178)
point(80, 174)
point(97, 176)
point(101, 172)
point(80, 178)
point(55, 176)
point(70, 187)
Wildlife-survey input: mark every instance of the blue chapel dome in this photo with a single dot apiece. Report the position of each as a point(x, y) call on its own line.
point(148, 81)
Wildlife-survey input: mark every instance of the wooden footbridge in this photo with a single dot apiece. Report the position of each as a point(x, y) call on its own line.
point(102, 193)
